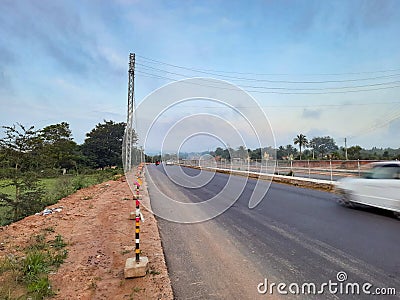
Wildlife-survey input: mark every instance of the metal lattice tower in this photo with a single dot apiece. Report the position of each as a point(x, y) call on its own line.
point(131, 110)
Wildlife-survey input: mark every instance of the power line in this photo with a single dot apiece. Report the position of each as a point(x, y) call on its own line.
point(292, 106)
point(281, 90)
point(270, 92)
point(373, 128)
point(276, 81)
point(392, 116)
point(215, 73)
point(289, 89)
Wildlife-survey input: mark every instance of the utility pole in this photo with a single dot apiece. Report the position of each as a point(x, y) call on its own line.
point(131, 110)
point(142, 156)
point(345, 148)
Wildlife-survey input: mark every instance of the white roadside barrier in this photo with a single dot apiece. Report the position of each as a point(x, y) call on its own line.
point(320, 184)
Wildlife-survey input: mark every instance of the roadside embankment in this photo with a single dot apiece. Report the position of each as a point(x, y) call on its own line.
point(94, 223)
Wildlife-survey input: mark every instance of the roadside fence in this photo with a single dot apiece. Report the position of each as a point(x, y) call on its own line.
point(329, 169)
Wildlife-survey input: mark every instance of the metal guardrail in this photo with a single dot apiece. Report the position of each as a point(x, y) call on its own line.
point(328, 169)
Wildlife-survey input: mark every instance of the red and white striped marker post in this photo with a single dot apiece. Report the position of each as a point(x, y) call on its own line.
point(139, 265)
point(137, 190)
point(137, 224)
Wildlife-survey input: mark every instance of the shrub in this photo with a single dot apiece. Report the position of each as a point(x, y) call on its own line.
point(27, 277)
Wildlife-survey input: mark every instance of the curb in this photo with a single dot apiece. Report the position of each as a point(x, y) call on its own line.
point(147, 206)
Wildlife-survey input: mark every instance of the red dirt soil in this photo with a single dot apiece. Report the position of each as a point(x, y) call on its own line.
point(95, 224)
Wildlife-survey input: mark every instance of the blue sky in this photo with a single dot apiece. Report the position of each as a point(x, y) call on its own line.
point(68, 61)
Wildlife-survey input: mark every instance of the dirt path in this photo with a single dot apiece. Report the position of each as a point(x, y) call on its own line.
point(94, 222)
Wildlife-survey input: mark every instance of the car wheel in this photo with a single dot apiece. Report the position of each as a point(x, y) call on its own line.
point(396, 214)
point(344, 199)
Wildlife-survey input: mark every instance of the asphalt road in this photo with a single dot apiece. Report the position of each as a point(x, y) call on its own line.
point(294, 236)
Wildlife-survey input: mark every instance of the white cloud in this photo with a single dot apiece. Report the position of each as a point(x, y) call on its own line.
point(311, 113)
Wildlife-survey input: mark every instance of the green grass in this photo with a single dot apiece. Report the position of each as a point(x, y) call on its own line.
point(6, 189)
point(46, 183)
point(56, 188)
point(25, 275)
point(5, 213)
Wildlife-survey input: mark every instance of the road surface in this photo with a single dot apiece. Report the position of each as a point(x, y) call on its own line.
point(294, 236)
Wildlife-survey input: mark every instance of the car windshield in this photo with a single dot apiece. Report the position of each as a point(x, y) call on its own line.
point(389, 171)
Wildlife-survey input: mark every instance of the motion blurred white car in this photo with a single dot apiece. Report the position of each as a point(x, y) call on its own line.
point(169, 163)
point(379, 187)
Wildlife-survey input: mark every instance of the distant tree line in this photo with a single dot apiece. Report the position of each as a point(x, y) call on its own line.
point(323, 147)
point(27, 155)
point(52, 148)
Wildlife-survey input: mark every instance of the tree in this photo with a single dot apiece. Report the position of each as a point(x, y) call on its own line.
point(269, 152)
point(219, 152)
point(385, 155)
point(285, 152)
point(54, 133)
point(241, 153)
point(290, 150)
point(256, 154)
point(323, 145)
point(307, 154)
point(58, 148)
point(227, 154)
point(301, 140)
point(20, 145)
point(354, 152)
point(281, 152)
point(103, 145)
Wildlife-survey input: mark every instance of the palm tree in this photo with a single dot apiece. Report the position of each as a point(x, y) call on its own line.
point(301, 140)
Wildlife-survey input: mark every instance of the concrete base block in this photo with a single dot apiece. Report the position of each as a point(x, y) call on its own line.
point(135, 269)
